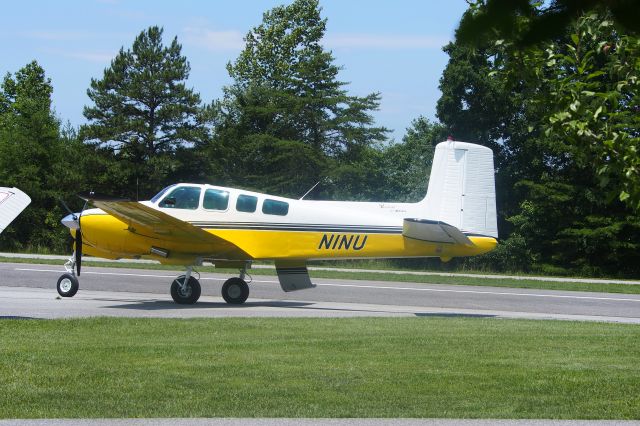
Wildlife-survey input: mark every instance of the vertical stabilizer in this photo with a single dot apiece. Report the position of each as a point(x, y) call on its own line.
point(461, 189)
point(12, 202)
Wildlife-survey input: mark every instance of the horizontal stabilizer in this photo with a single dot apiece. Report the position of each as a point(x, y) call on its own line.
point(293, 275)
point(12, 202)
point(434, 231)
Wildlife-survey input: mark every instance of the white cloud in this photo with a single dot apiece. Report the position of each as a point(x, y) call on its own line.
point(103, 57)
point(379, 41)
point(233, 40)
point(57, 35)
point(100, 57)
point(214, 40)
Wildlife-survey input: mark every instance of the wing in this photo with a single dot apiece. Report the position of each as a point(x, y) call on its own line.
point(155, 224)
point(12, 202)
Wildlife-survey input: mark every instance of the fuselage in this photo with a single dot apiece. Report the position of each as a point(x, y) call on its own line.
point(270, 227)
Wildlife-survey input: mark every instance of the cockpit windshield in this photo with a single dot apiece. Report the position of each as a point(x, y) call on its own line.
point(161, 193)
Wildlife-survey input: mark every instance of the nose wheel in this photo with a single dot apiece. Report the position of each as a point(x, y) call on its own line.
point(67, 285)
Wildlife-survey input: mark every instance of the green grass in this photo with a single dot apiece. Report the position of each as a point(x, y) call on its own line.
point(377, 276)
point(365, 367)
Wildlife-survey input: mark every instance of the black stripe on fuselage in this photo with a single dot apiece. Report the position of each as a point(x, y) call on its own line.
point(301, 227)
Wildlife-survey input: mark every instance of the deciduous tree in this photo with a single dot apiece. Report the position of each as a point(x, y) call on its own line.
point(34, 158)
point(287, 120)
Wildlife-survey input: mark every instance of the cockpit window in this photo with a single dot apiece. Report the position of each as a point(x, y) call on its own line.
point(183, 197)
point(161, 193)
point(216, 199)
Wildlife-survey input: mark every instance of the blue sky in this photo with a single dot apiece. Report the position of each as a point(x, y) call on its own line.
point(392, 47)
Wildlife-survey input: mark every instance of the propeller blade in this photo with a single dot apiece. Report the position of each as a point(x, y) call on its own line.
point(67, 208)
point(78, 250)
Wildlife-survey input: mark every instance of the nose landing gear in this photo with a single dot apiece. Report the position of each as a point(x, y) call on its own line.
point(68, 283)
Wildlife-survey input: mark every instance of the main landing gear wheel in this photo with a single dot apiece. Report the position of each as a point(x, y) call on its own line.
point(235, 291)
point(67, 285)
point(185, 295)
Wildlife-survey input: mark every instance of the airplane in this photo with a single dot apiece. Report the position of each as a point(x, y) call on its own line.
point(12, 203)
point(187, 224)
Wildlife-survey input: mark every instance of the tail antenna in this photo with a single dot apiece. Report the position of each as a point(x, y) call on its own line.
point(312, 188)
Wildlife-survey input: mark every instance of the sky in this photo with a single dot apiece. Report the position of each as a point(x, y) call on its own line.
point(391, 47)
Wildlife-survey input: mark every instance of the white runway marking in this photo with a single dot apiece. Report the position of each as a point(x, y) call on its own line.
point(501, 293)
point(364, 286)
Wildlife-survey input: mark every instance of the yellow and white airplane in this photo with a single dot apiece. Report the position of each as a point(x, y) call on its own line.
point(187, 224)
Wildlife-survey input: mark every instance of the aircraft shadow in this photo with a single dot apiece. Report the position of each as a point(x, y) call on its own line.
point(453, 315)
point(154, 305)
point(417, 314)
point(14, 317)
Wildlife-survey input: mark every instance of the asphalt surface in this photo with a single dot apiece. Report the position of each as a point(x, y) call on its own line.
point(28, 290)
point(380, 271)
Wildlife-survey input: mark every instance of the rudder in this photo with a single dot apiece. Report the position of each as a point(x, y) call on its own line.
point(461, 188)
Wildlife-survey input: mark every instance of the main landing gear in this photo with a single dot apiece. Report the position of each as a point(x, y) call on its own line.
point(235, 291)
point(186, 289)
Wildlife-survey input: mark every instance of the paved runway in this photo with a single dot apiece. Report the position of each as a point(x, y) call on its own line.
point(28, 290)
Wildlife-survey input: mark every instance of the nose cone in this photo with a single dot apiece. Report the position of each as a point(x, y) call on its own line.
point(71, 221)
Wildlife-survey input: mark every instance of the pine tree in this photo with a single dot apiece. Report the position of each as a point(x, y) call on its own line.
point(143, 110)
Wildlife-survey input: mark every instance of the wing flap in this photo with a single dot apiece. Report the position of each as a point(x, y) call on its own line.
point(434, 231)
point(293, 275)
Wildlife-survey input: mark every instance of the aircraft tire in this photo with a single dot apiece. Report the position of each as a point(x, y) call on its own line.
point(68, 285)
point(190, 296)
point(235, 291)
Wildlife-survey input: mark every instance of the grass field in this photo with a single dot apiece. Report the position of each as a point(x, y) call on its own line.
point(365, 367)
point(377, 276)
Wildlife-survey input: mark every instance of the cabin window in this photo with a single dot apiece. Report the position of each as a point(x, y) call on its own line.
point(183, 197)
point(246, 203)
point(279, 208)
point(216, 199)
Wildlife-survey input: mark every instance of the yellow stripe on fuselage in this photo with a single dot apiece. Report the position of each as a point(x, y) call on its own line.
point(106, 236)
point(265, 244)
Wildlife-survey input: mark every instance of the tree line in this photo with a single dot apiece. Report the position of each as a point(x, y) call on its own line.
point(559, 113)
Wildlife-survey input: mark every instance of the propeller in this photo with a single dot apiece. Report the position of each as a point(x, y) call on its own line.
point(78, 247)
point(78, 234)
point(79, 238)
